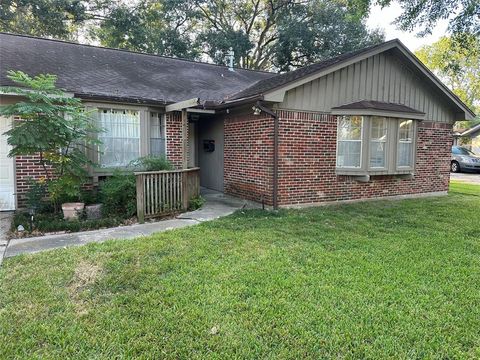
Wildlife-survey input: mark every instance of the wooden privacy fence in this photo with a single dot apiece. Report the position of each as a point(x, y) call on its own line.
point(163, 192)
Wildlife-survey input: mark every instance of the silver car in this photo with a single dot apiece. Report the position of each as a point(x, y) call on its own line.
point(464, 160)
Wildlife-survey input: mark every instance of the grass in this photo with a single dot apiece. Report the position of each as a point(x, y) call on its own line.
point(383, 279)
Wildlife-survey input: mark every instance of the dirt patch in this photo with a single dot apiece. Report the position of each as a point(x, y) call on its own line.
point(85, 275)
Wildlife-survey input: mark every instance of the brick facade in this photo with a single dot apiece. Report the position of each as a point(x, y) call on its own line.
point(307, 150)
point(174, 132)
point(27, 168)
point(248, 154)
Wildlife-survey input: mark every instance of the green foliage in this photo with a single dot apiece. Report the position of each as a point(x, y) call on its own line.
point(36, 195)
point(64, 189)
point(58, 18)
point(152, 163)
point(463, 15)
point(53, 125)
point(195, 203)
point(264, 34)
point(457, 65)
point(118, 195)
point(49, 222)
point(373, 280)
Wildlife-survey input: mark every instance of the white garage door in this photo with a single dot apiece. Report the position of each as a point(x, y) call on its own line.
point(7, 176)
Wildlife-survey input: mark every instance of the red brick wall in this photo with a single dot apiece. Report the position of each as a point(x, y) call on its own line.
point(307, 162)
point(174, 138)
point(307, 150)
point(26, 168)
point(248, 154)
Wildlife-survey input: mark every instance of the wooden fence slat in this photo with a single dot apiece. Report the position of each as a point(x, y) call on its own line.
point(162, 192)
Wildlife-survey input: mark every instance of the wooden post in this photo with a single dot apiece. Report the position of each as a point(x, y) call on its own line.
point(185, 194)
point(184, 139)
point(140, 198)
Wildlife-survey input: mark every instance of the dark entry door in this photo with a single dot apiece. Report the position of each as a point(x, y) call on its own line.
point(210, 153)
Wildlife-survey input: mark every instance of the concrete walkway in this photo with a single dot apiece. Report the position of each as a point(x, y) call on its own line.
point(5, 221)
point(216, 205)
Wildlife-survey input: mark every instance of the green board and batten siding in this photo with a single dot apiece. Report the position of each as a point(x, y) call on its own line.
point(382, 77)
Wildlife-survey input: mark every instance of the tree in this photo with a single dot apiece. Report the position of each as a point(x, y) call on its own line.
point(457, 65)
point(464, 15)
point(55, 127)
point(51, 18)
point(264, 34)
point(157, 27)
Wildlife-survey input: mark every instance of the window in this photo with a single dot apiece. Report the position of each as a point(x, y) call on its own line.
point(378, 142)
point(120, 137)
point(405, 143)
point(349, 145)
point(157, 134)
point(376, 145)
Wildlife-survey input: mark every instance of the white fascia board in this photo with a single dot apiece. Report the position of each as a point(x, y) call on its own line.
point(373, 112)
point(201, 111)
point(181, 105)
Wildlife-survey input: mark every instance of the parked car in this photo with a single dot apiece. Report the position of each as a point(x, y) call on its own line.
point(464, 160)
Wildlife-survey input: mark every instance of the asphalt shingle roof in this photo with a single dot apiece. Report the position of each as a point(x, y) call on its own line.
point(112, 73)
point(378, 105)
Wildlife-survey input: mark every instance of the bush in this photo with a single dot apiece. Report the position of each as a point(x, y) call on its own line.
point(196, 202)
point(152, 163)
point(36, 195)
point(54, 222)
point(118, 195)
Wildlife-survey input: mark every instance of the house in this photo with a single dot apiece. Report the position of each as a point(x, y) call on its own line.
point(366, 124)
point(469, 138)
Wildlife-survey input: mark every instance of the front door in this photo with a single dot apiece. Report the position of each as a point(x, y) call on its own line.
point(7, 176)
point(210, 153)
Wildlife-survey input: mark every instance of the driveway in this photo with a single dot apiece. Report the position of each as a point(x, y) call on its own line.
point(468, 178)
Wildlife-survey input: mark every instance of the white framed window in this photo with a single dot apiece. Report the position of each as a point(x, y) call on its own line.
point(405, 143)
point(378, 142)
point(157, 134)
point(120, 137)
point(349, 141)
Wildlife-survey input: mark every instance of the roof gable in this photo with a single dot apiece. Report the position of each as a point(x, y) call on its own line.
point(274, 89)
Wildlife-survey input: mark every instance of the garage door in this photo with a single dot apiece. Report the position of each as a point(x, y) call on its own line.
point(7, 176)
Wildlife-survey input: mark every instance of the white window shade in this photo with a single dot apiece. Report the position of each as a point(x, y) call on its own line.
point(349, 142)
point(120, 137)
point(157, 134)
point(405, 144)
point(378, 142)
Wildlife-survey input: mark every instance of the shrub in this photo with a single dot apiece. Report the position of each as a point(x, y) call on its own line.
point(196, 202)
point(36, 195)
point(54, 222)
point(152, 163)
point(118, 195)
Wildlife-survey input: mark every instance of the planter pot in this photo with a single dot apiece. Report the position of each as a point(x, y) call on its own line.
point(94, 211)
point(71, 210)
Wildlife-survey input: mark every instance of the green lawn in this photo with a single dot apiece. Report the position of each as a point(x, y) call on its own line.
point(383, 279)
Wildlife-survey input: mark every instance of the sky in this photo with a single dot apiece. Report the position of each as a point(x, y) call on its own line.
point(383, 18)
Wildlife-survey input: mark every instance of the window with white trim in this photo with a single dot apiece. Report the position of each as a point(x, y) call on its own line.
point(349, 145)
point(375, 144)
point(120, 137)
point(378, 142)
point(405, 144)
point(157, 134)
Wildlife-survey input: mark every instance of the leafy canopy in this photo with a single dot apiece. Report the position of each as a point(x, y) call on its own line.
point(423, 15)
point(457, 65)
point(264, 34)
point(53, 126)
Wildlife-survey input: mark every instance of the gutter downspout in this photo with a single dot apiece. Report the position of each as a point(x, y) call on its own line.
point(275, 152)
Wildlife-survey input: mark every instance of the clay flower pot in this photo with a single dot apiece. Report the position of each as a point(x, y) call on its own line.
point(71, 210)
